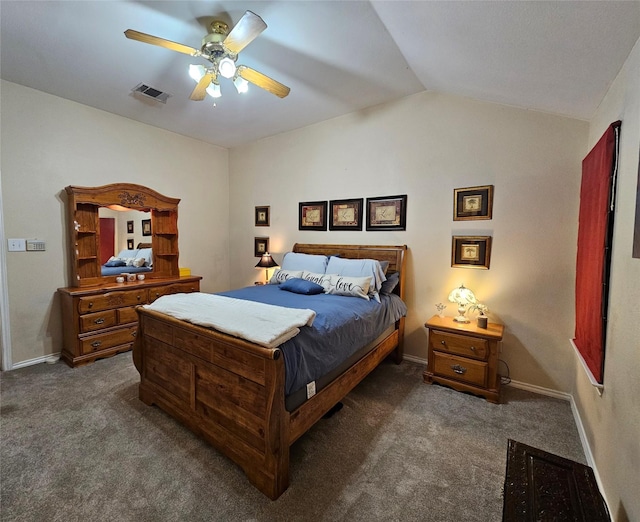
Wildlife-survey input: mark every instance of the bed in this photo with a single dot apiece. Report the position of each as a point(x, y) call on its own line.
point(138, 260)
point(234, 393)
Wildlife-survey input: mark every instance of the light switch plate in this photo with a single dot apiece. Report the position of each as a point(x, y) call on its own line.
point(17, 245)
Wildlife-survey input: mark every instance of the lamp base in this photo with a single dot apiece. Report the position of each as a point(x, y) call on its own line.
point(461, 319)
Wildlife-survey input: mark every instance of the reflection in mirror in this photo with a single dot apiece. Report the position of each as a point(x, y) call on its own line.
point(121, 238)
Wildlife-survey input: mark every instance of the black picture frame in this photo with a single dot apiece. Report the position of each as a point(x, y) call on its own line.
point(387, 213)
point(471, 252)
point(262, 217)
point(146, 227)
point(312, 215)
point(260, 246)
point(345, 214)
point(473, 203)
point(129, 227)
point(130, 244)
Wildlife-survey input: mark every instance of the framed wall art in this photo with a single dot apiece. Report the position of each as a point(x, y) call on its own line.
point(472, 203)
point(387, 213)
point(345, 214)
point(146, 227)
point(260, 246)
point(471, 252)
point(129, 244)
point(129, 227)
point(262, 216)
point(312, 215)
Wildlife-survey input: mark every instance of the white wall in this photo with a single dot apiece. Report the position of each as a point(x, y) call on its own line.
point(612, 421)
point(49, 143)
point(425, 146)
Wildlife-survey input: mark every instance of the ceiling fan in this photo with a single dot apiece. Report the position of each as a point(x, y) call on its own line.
point(221, 47)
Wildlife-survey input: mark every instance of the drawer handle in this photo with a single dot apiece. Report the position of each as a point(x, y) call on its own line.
point(91, 304)
point(473, 348)
point(138, 298)
point(459, 369)
point(99, 321)
point(134, 333)
point(157, 294)
point(443, 343)
point(95, 344)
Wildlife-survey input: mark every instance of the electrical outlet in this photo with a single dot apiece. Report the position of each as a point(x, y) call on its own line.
point(17, 245)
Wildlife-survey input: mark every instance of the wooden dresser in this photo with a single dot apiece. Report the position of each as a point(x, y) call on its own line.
point(464, 356)
point(101, 321)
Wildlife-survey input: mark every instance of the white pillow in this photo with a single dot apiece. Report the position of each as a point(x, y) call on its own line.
point(359, 268)
point(138, 261)
point(309, 262)
point(324, 280)
point(349, 286)
point(146, 254)
point(280, 275)
point(128, 254)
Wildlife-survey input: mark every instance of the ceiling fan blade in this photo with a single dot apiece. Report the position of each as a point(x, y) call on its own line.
point(154, 40)
point(244, 32)
point(263, 81)
point(200, 90)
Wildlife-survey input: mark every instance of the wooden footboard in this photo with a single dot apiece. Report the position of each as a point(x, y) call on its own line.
point(231, 392)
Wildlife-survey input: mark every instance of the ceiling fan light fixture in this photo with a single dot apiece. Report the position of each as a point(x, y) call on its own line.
point(227, 67)
point(241, 84)
point(196, 72)
point(214, 90)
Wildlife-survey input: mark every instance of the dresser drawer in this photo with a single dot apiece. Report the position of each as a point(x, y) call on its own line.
point(176, 288)
point(111, 300)
point(99, 342)
point(459, 344)
point(460, 369)
point(127, 315)
point(97, 321)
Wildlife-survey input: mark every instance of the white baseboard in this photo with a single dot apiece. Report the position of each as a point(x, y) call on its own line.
point(51, 358)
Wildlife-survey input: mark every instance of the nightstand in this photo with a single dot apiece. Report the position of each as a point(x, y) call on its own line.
point(464, 357)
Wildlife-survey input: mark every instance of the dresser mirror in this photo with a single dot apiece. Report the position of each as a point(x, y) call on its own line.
point(121, 228)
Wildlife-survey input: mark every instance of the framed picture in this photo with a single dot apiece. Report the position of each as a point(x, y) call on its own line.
point(129, 227)
point(387, 213)
point(129, 244)
point(471, 252)
point(312, 215)
point(262, 216)
point(346, 214)
point(260, 246)
point(472, 203)
point(146, 227)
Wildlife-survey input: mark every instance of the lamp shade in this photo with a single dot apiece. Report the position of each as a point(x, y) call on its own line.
point(462, 297)
point(266, 261)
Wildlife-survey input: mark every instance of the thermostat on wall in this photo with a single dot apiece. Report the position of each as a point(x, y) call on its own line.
point(35, 245)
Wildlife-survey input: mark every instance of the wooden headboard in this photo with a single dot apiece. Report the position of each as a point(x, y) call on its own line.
point(144, 245)
point(395, 254)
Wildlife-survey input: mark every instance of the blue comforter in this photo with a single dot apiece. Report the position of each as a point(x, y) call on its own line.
point(342, 326)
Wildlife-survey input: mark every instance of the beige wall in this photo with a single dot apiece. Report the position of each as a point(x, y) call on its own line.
point(612, 421)
point(425, 146)
point(49, 143)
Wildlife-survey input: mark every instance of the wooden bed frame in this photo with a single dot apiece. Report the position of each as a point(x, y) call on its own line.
point(231, 392)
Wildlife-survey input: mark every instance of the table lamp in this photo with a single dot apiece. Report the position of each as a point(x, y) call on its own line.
point(462, 297)
point(266, 262)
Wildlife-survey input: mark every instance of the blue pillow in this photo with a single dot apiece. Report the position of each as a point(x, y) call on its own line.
point(389, 285)
point(116, 262)
point(309, 262)
point(298, 285)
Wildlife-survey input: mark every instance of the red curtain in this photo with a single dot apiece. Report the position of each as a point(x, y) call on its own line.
point(594, 241)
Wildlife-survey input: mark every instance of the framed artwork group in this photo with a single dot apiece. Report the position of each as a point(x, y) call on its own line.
point(469, 204)
point(382, 213)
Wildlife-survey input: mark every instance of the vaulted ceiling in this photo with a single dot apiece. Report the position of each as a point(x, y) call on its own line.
point(336, 56)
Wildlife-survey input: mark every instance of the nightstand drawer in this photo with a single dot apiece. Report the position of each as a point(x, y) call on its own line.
point(459, 344)
point(460, 369)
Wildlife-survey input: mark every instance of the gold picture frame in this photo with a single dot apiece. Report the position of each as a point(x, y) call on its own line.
point(471, 252)
point(473, 203)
